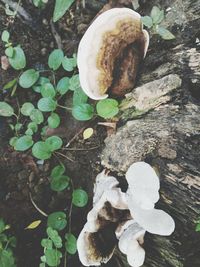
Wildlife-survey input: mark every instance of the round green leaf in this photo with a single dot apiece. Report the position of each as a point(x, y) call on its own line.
point(57, 220)
point(47, 90)
point(107, 108)
point(9, 51)
point(46, 243)
point(63, 86)
point(74, 82)
point(79, 97)
point(164, 33)
point(58, 171)
point(6, 110)
point(61, 7)
point(23, 143)
point(29, 132)
point(38, 85)
point(27, 108)
point(18, 60)
point(33, 126)
point(13, 141)
point(68, 63)
point(53, 143)
point(79, 198)
point(53, 120)
point(70, 244)
point(147, 21)
point(36, 116)
point(59, 183)
point(40, 150)
point(28, 78)
point(54, 236)
point(53, 257)
point(157, 15)
point(47, 104)
point(83, 112)
point(5, 36)
point(55, 59)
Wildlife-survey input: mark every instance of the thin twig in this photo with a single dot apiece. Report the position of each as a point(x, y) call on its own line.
point(56, 35)
point(64, 156)
point(80, 149)
point(38, 209)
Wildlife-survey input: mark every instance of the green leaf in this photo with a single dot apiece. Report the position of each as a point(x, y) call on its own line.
point(29, 132)
point(79, 198)
point(74, 82)
point(107, 108)
point(83, 112)
point(33, 126)
point(2, 225)
point(53, 143)
point(9, 51)
point(70, 244)
point(27, 108)
point(41, 150)
point(10, 84)
point(6, 259)
point(55, 59)
point(164, 33)
point(47, 104)
point(57, 220)
point(18, 61)
point(53, 257)
point(47, 243)
point(58, 171)
point(60, 183)
point(54, 236)
point(79, 97)
point(5, 36)
point(41, 81)
point(68, 63)
point(13, 141)
point(157, 15)
point(53, 120)
point(197, 229)
point(23, 143)
point(18, 126)
point(48, 90)
point(63, 86)
point(6, 110)
point(60, 9)
point(147, 21)
point(36, 116)
point(28, 78)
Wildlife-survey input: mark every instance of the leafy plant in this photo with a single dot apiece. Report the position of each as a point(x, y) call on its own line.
point(197, 229)
point(153, 21)
point(7, 244)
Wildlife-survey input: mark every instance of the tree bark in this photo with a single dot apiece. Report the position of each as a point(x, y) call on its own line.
point(160, 124)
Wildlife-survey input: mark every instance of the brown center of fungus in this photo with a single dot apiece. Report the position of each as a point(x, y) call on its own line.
point(119, 56)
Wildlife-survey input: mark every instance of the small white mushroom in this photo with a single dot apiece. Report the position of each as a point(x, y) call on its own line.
point(97, 240)
point(142, 194)
point(130, 244)
point(110, 52)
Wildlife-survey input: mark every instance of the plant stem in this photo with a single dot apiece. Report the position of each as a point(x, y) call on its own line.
point(64, 107)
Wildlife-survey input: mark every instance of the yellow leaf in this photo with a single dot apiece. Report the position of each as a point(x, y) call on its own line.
point(34, 224)
point(88, 133)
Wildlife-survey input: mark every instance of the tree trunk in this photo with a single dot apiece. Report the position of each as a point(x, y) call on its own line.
point(160, 124)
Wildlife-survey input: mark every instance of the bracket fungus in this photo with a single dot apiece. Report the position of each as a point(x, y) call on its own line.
point(110, 52)
point(124, 217)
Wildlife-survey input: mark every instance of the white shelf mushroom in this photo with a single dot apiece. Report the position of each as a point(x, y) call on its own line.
point(110, 52)
point(123, 216)
point(142, 194)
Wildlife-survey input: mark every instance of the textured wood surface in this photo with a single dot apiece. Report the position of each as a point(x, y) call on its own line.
point(166, 133)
